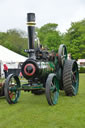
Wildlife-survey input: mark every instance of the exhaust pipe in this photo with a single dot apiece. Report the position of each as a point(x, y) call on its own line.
point(31, 30)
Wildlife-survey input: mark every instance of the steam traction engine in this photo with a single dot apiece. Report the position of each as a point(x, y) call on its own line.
point(44, 71)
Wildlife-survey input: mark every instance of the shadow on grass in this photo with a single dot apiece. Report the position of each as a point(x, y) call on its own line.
point(33, 99)
point(2, 97)
point(62, 93)
point(29, 99)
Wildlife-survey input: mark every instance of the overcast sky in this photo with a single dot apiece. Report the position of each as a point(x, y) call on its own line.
point(63, 12)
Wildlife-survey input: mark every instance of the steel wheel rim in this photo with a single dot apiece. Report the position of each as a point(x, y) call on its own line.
point(62, 54)
point(75, 78)
point(12, 90)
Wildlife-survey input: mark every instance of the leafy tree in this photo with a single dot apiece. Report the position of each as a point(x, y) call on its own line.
point(14, 40)
point(2, 37)
point(75, 39)
point(49, 36)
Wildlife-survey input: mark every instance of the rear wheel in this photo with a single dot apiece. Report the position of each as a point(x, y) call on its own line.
point(52, 89)
point(70, 77)
point(62, 55)
point(12, 93)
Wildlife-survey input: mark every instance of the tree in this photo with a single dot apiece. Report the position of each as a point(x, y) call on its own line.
point(49, 36)
point(14, 40)
point(75, 39)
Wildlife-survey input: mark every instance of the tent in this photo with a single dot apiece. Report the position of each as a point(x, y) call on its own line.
point(10, 58)
point(7, 55)
point(81, 62)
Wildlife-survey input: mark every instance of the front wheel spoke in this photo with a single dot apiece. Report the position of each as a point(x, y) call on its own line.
point(52, 95)
point(52, 88)
point(55, 96)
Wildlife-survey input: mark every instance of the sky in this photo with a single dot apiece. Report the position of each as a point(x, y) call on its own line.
point(13, 13)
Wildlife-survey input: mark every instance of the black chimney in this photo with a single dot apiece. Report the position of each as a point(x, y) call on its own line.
point(31, 29)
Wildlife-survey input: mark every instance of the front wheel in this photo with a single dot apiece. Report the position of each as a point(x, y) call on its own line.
point(11, 89)
point(52, 89)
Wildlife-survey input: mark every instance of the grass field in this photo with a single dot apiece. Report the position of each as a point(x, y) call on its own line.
point(33, 111)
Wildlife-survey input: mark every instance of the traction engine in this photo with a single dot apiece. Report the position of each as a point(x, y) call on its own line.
point(45, 72)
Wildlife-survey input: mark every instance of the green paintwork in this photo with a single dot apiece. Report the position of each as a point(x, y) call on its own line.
point(27, 87)
point(58, 72)
point(52, 66)
point(55, 90)
point(75, 78)
point(17, 94)
point(32, 87)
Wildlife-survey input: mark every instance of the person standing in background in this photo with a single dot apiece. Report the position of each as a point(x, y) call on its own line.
point(5, 70)
point(20, 74)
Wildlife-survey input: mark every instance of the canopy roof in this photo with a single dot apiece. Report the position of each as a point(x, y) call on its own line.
point(81, 60)
point(7, 55)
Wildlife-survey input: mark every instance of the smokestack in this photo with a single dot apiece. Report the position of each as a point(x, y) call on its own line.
point(31, 29)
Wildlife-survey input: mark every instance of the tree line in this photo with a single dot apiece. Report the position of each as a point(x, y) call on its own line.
point(50, 37)
point(14, 40)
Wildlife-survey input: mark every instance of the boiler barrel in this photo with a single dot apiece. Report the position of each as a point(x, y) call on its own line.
point(32, 69)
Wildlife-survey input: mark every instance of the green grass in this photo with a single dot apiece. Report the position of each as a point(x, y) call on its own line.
point(33, 111)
